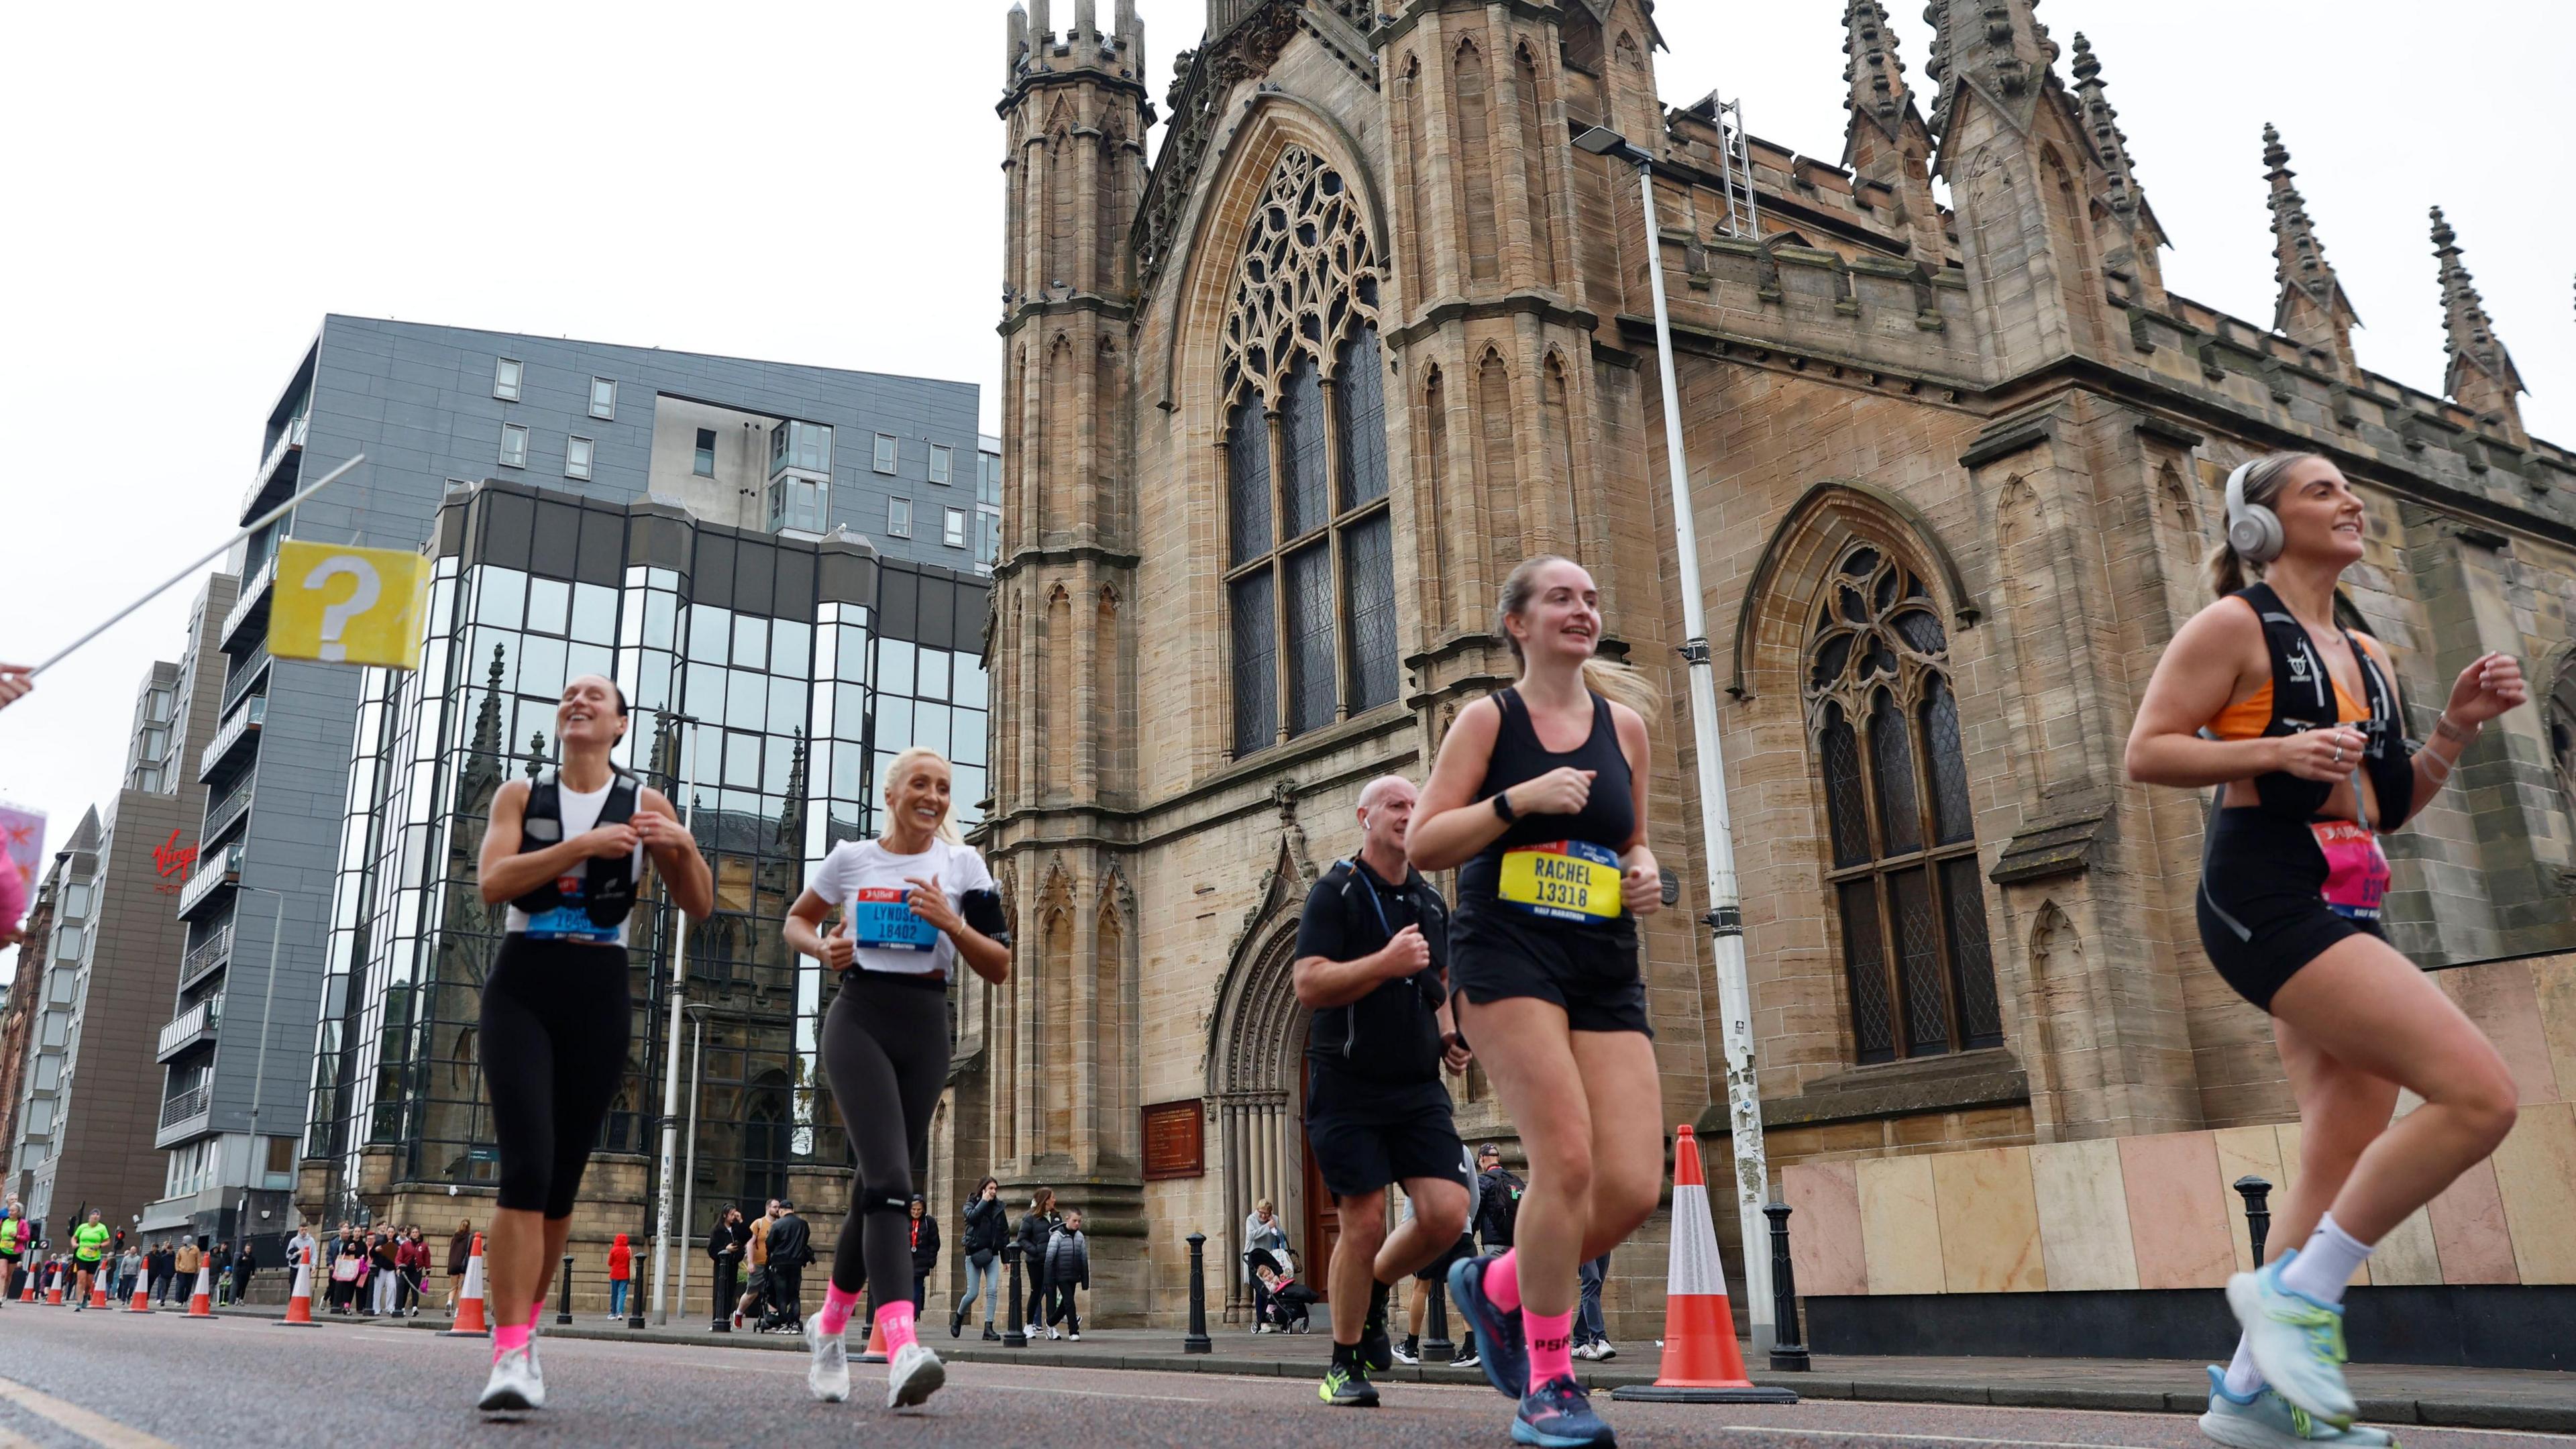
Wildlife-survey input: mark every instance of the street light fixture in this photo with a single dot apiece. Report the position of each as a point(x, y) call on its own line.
point(1725, 916)
point(671, 1061)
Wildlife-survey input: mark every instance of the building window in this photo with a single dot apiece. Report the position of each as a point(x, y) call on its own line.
point(899, 517)
point(514, 446)
point(1901, 843)
point(952, 531)
point(796, 503)
point(885, 453)
point(505, 379)
point(941, 457)
point(705, 466)
point(1310, 583)
point(988, 538)
point(603, 397)
point(576, 457)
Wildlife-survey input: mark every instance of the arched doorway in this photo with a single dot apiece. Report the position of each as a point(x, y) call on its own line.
point(1256, 1082)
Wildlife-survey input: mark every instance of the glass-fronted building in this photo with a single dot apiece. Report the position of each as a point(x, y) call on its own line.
point(769, 677)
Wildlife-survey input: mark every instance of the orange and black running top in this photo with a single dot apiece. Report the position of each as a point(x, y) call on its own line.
point(2302, 695)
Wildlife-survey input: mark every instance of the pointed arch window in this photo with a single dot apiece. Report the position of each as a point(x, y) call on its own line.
point(1310, 576)
point(1903, 861)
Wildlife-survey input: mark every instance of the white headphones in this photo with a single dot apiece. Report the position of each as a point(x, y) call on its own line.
point(2253, 530)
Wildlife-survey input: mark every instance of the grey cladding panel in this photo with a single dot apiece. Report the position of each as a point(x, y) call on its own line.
point(712, 582)
point(899, 604)
point(557, 542)
point(603, 548)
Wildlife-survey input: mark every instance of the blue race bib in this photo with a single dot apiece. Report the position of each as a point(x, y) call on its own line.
point(881, 920)
point(570, 921)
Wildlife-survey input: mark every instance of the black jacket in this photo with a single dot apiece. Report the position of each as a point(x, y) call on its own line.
point(1068, 1259)
point(925, 1245)
point(1498, 1206)
point(729, 1240)
point(988, 1226)
point(1035, 1229)
point(790, 1242)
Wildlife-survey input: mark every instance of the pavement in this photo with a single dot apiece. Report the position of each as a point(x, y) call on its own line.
point(123, 1382)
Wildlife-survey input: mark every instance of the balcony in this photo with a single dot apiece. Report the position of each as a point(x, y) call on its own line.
point(185, 1107)
point(208, 957)
point(277, 472)
point(247, 671)
point(190, 1028)
point(252, 607)
point(226, 813)
point(237, 735)
point(215, 877)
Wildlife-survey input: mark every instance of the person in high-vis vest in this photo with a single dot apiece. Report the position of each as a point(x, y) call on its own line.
point(14, 1242)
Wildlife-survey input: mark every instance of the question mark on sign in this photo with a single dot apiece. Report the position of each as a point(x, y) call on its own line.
point(336, 617)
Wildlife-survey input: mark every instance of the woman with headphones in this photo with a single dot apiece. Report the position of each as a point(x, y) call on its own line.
point(2294, 720)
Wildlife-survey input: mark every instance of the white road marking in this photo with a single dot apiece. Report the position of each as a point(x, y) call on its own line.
point(1079, 1393)
point(97, 1428)
point(1925, 1438)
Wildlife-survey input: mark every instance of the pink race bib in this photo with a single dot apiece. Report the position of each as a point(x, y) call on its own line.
point(2356, 871)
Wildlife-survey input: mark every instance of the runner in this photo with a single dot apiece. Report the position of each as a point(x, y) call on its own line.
point(1539, 798)
point(89, 1248)
point(2295, 719)
point(14, 1242)
point(566, 851)
point(1373, 965)
point(913, 903)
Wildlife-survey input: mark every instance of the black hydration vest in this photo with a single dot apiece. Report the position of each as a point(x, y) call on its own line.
point(607, 887)
point(2303, 698)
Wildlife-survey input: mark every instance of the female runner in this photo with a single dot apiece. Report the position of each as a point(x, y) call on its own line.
point(566, 852)
point(913, 902)
point(2296, 720)
point(1539, 797)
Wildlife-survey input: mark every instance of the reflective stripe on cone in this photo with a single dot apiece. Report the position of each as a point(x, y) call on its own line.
point(1701, 1363)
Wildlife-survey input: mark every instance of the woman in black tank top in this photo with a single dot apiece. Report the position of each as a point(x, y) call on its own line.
point(2289, 904)
point(1539, 800)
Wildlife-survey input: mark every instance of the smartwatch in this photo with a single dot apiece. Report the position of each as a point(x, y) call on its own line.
point(1503, 805)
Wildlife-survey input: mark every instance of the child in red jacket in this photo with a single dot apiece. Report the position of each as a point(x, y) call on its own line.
point(621, 1270)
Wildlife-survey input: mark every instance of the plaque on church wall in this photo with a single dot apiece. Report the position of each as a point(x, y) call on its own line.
point(1173, 1144)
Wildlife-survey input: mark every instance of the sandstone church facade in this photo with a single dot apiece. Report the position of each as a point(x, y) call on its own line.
point(1282, 408)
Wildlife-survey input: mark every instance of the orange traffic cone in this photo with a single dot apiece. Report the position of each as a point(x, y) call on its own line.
point(1701, 1362)
point(54, 1292)
point(28, 1295)
point(98, 1290)
point(142, 1294)
point(876, 1342)
point(469, 1299)
point(299, 1303)
point(201, 1303)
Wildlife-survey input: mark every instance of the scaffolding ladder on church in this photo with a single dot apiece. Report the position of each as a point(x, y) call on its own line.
point(1734, 167)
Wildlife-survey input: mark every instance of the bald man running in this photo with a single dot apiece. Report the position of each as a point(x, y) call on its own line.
point(1372, 963)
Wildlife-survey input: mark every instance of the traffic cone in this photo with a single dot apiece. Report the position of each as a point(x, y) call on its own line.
point(299, 1303)
point(54, 1293)
point(469, 1299)
point(201, 1303)
point(142, 1294)
point(1701, 1362)
point(876, 1342)
point(28, 1294)
point(98, 1290)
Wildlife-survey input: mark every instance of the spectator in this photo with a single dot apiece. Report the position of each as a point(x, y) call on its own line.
point(988, 1227)
point(1262, 1233)
point(245, 1263)
point(183, 1269)
point(756, 1286)
point(1068, 1267)
point(621, 1268)
point(925, 1250)
point(1498, 1199)
point(160, 1265)
point(460, 1251)
point(791, 1247)
point(411, 1261)
point(1289, 1299)
point(348, 1266)
point(302, 1251)
point(384, 1273)
point(1037, 1225)
point(219, 1267)
point(129, 1271)
point(725, 1246)
point(1590, 1341)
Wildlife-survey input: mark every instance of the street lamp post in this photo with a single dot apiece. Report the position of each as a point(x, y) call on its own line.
point(671, 1062)
point(1725, 916)
point(697, 1013)
point(259, 1070)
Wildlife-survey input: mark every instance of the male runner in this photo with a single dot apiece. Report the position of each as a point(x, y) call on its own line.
point(1372, 957)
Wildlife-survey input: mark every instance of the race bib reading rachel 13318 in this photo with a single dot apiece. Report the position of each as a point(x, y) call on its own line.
point(1568, 880)
point(882, 919)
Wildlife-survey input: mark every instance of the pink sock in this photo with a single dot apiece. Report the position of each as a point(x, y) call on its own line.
point(506, 1338)
point(895, 1319)
point(1551, 1345)
point(837, 1308)
point(1503, 1281)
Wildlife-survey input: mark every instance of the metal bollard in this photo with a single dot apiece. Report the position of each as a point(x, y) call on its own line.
point(563, 1300)
point(2258, 1213)
point(1196, 1340)
point(1014, 1335)
point(1789, 1353)
point(1436, 1346)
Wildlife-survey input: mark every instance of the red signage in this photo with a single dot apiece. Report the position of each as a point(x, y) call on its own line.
point(174, 861)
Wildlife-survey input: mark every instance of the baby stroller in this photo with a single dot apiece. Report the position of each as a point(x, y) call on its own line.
point(1290, 1300)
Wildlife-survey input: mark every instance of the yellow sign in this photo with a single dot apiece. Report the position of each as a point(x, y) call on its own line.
point(1569, 880)
point(348, 605)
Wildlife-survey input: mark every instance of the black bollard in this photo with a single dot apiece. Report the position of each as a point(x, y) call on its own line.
point(1789, 1352)
point(1014, 1335)
point(1196, 1340)
point(563, 1301)
point(2258, 1213)
point(1436, 1347)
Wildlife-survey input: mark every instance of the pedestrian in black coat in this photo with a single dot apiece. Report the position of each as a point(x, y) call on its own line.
point(925, 1249)
point(1068, 1267)
point(726, 1245)
point(1036, 1226)
point(791, 1247)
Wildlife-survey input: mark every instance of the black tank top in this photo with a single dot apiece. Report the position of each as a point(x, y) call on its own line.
point(1609, 814)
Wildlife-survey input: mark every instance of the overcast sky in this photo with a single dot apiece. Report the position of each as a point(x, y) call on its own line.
point(196, 186)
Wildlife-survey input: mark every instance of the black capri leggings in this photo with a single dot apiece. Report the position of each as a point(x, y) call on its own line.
point(885, 1044)
point(556, 1018)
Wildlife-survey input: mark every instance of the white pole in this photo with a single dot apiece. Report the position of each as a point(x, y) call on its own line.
point(1725, 916)
point(254, 526)
point(259, 1070)
point(689, 1174)
point(671, 1066)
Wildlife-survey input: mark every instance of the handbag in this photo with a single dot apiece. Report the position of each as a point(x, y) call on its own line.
point(345, 1270)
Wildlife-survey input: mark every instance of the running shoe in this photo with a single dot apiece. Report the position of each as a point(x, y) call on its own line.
point(915, 1375)
point(1465, 1360)
point(1498, 1334)
point(1406, 1353)
point(1558, 1415)
point(2265, 1420)
point(827, 1375)
point(1377, 1351)
point(514, 1385)
point(1601, 1349)
point(2296, 1341)
point(1347, 1386)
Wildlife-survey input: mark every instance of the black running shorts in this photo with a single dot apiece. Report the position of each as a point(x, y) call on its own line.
point(1589, 970)
point(2262, 907)
point(1365, 1135)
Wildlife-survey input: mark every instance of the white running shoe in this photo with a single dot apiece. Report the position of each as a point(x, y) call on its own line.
point(514, 1384)
point(2265, 1420)
point(915, 1375)
point(2296, 1341)
point(828, 1375)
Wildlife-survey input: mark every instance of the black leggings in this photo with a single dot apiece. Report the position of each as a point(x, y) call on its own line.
point(885, 1044)
point(556, 1017)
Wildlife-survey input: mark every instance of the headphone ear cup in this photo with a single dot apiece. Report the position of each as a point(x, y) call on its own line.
point(2255, 532)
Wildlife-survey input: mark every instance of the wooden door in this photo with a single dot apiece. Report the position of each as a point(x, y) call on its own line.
point(1323, 1227)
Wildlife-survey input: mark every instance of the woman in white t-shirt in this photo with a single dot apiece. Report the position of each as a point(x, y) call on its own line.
point(914, 902)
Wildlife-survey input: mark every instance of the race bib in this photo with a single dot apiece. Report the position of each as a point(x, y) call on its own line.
point(570, 921)
point(880, 920)
point(1569, 880)
point(2356, 870)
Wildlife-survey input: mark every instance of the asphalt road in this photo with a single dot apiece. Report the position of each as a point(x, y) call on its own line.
point(68, 1381)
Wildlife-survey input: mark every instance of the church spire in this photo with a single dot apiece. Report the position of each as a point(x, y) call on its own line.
point(1996, 48)
point(2482, 377)
point(1877, 78)
point(2313, 310)
point(1886, 141)
point(2120, 190)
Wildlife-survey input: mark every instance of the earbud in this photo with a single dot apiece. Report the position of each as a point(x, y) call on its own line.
point(2253, 530)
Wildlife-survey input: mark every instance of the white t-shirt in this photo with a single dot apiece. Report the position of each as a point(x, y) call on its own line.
point(868, 883)
point(580, 812)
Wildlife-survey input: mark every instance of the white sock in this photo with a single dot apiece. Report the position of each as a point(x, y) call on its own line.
point(2244, 1380)
point(2326, 1264)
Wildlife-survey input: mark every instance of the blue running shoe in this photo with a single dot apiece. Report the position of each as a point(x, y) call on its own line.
point(2265, 1420)
point(1558, 1415)
point(2296, 1341)
point(1503, 1354)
